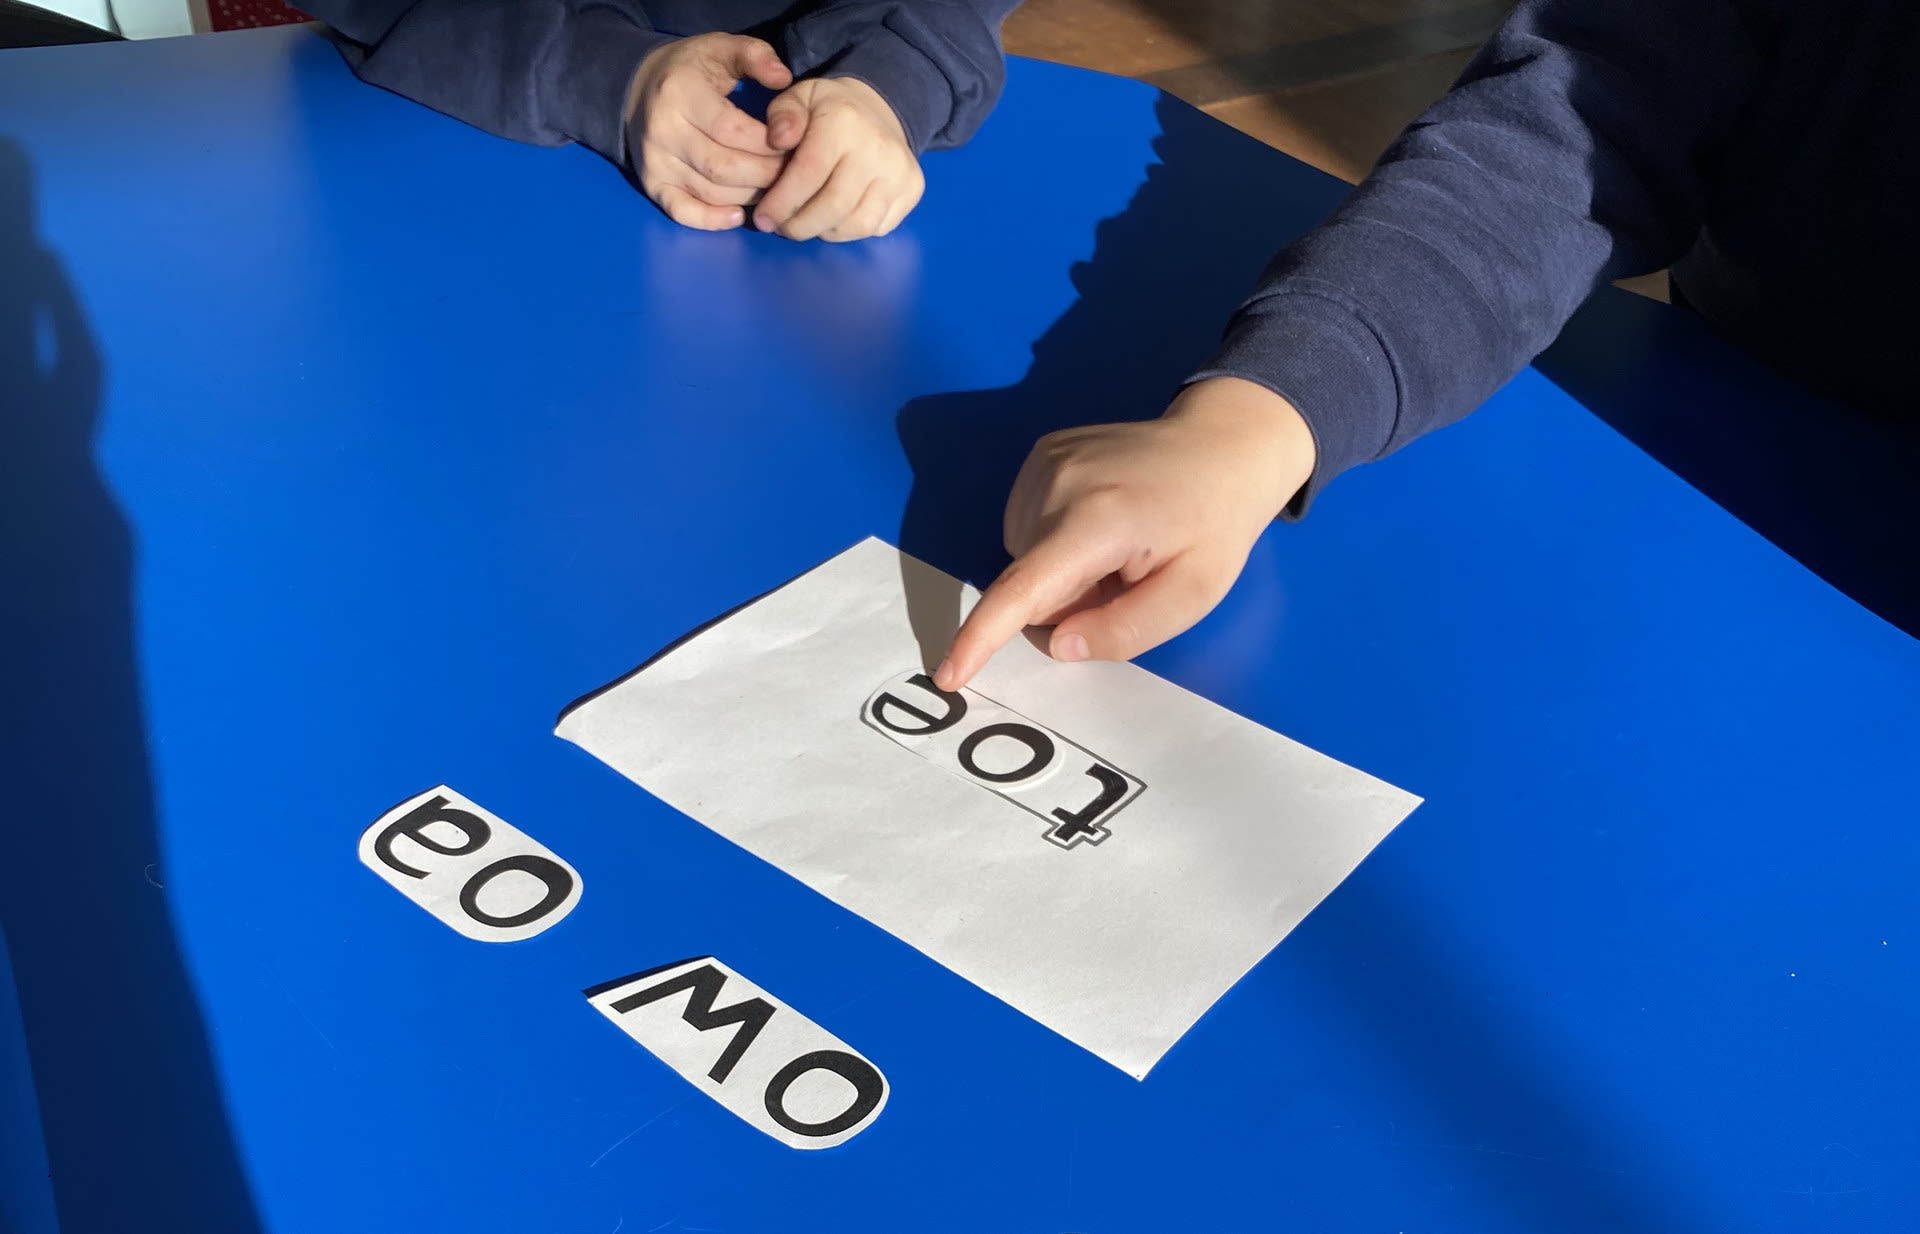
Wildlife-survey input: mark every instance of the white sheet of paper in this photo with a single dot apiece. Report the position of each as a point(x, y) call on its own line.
point(1111, 856)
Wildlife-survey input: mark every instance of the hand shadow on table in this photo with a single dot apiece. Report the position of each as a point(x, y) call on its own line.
point(132, 1120)
point(1164, 278)
point(1835, 488)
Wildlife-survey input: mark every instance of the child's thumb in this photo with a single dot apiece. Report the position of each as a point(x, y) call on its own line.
point(1145, 615)
point(754, 58)
point(786, 122)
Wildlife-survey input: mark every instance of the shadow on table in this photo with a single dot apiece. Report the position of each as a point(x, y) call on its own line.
point(1837, 489)
point(1165, 275)
point(133, 1124)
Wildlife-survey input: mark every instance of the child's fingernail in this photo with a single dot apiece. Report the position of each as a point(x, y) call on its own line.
point(1071, 647)
point(760, 221)
point(943, 674)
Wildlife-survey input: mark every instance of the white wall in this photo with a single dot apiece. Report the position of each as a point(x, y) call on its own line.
point(154, 19)
point(139, 19)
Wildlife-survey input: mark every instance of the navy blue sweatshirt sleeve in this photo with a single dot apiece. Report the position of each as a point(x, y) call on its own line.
point(939, 63)
point(540, 71)
point(1574, 149)
point(552, 71)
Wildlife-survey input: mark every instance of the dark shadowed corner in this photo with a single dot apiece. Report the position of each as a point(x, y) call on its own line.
point(1835, 488)
point(132, 1118)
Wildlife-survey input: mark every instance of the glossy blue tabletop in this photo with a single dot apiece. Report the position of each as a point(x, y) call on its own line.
point(343, 446)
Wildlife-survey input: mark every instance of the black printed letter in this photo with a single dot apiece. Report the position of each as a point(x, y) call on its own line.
point(868, 1088)
point(1084, 824)
point(705, 984)
point(414, 824)
point(552, 874)
point(1038, 744)
point(956, 708)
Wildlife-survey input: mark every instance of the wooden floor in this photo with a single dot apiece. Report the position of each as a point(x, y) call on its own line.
point(1330, 82)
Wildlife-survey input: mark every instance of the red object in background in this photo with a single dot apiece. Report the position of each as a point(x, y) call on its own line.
point(246, 14)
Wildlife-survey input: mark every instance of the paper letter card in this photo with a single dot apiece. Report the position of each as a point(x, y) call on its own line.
point(1101, 849)
point(776, 1069)
point(469, 867)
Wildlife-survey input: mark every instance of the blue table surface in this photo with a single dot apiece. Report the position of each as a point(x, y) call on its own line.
point(344, 445)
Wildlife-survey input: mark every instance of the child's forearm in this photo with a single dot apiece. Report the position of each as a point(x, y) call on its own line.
point(540, 71)
point(1569, 153)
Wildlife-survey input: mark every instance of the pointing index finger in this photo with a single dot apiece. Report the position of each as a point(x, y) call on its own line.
point(1037, 585)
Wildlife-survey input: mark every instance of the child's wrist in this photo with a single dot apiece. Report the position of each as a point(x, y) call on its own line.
point(1251, 422)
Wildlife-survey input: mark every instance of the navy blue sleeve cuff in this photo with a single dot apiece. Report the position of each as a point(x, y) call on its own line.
point(912, 85)
point(591, 77)
point(938, 63)
point(1313, 352)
